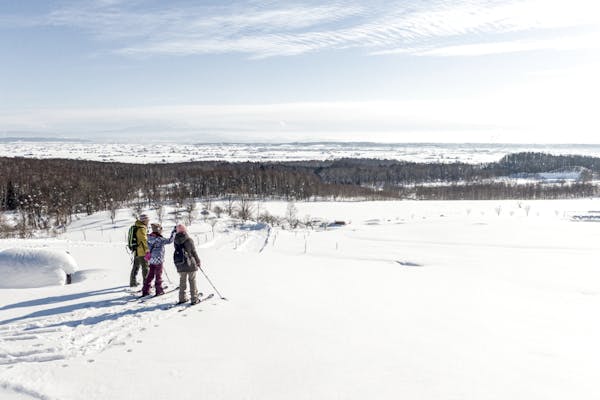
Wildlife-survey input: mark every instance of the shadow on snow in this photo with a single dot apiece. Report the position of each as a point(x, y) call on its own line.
point(63, 298)
point(90, 320)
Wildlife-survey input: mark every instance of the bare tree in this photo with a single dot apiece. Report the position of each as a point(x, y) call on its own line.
point(230, 205)
point(207, 203)
point(213, 222)
point(113, 211)
point(307, 221)
point(218, 211)
point(138, 209)
point(190, 212)
point(291, 214)
point(257, 208)
point(267, 218)
point(5, 229)
point(244, 209)
point(177, 212)
point(160, 212)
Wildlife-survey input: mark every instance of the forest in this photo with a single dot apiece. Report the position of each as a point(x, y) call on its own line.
point(47, 193)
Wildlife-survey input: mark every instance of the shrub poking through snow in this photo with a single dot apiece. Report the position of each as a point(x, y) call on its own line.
point(28, 268)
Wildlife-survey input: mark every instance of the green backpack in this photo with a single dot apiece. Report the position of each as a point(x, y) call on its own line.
point(132, 241)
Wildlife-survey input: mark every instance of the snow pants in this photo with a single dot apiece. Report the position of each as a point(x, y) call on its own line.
point(137, 263)
point(156, 271)
point(184, 277)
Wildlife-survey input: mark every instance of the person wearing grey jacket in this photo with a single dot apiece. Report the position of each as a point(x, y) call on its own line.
point(187, 263)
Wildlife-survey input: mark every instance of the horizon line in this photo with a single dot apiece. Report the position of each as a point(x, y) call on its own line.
point(189, 141)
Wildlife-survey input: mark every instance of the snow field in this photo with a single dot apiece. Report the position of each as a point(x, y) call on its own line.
point(159, 152)
point(428, 300)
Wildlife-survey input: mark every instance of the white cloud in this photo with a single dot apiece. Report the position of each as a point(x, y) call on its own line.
point(573, 42)
point(442, 27)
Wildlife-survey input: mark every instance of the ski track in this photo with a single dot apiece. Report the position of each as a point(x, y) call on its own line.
point(253, 239)
point(84, 324)
point(26, 392)
point(78, 329)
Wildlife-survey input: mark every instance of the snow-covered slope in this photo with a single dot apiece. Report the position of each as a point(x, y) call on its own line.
point(418, 300)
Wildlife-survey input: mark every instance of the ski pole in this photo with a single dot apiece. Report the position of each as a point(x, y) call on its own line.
point(211, 284)
point(167, 275)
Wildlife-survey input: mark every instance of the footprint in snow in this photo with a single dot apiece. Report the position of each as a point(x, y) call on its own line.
point(138, 341)
point(91, 361)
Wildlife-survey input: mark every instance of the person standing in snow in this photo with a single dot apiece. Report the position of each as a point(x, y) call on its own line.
point(187, 262)
point(138, 243)
point(157, 244)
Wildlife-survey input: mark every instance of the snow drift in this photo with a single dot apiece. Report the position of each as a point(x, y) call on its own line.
point(28, 268)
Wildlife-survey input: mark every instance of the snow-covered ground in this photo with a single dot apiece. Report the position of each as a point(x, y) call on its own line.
point(415, 300)
point(160, 152)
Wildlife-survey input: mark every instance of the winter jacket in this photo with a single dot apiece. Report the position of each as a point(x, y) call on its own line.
point(142, 239)
point(189, 261)
point(157, 244)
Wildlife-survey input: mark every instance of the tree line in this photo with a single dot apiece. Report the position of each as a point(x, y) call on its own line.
point(380, 173)
point(48, 193)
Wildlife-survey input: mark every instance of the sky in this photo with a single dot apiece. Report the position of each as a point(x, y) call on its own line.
point(511, 71)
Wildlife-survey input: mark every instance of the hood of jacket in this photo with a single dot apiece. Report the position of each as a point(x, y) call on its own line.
point(140, 224)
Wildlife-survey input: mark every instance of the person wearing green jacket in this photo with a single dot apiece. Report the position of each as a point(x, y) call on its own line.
point(139, 253)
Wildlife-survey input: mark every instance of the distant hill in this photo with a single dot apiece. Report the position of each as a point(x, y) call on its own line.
point(10, 139)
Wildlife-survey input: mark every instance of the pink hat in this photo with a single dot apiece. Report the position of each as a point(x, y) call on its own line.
point(181, 228)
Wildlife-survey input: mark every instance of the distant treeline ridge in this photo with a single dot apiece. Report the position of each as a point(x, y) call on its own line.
point(48, 192)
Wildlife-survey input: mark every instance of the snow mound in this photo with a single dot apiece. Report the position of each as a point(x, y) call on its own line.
point(28, 268)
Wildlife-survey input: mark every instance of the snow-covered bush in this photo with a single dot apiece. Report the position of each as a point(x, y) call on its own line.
point(269, 219)
point(28, 268)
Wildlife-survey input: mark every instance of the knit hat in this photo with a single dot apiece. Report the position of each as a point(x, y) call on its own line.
point(181, 228)
point(143, 218)
point(156, 228)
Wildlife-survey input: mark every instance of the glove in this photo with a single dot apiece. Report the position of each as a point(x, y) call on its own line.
point(174, 229)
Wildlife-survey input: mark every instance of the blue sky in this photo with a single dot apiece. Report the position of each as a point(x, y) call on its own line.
point(395, 71)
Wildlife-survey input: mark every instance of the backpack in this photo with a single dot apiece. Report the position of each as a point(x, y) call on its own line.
point(132, 241)
point(181, 258)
